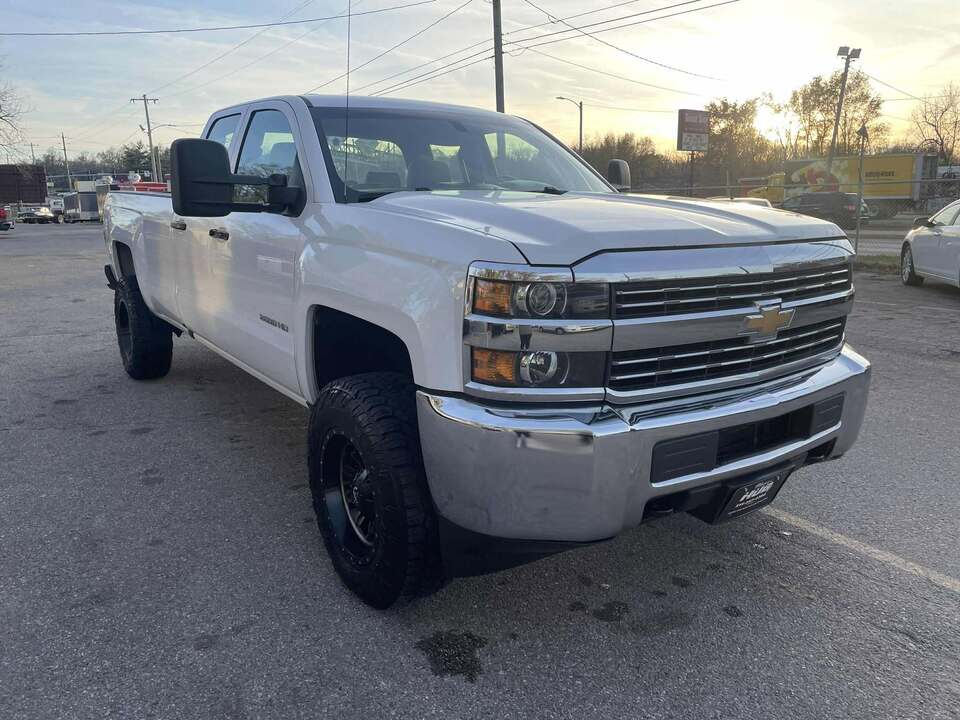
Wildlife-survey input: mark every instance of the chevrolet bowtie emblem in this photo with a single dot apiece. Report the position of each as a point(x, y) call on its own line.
point(765, 326)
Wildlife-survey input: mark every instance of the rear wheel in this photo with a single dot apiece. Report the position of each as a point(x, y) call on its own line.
point(908, 272)
point(369, 488)
point(146, 341)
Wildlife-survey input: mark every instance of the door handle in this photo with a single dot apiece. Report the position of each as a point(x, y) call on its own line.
point(219, 234)
point(178, 224)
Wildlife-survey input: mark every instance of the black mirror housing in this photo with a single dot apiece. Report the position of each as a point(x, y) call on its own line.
point(618, 173)
point(202, 185)
point(922, 221)
point(200, 180)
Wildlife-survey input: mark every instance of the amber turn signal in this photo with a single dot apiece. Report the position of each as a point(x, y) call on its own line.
point(494, 367)
point(492, 297)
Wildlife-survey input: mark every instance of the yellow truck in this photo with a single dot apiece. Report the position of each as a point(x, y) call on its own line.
point(891, 183)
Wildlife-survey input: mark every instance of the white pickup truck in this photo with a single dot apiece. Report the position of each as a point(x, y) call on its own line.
point(502, 355)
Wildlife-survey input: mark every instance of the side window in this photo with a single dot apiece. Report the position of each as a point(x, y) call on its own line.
point(223, 129)
point(947, 216)
point(268, 148)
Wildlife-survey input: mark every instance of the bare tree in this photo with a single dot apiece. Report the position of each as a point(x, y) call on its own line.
point(11, 112)
point(937, 123)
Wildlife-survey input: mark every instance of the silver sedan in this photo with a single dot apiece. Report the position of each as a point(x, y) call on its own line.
point(932, 248)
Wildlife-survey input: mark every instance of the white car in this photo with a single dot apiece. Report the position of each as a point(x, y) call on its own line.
point(502, 356)
point(932, 248)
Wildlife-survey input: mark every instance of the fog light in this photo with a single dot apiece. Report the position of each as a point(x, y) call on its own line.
point(538, 368)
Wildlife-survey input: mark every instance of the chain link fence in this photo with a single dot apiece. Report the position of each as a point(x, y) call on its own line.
point(887, 217)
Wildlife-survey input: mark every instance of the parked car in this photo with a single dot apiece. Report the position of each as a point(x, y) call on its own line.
point(33, 215)
point(6, 219)
point(932, 248)
point(502, 356)
point(837, 207)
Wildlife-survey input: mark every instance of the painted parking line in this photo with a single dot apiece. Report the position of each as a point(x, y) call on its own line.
point(906, 307)
point(888, 558)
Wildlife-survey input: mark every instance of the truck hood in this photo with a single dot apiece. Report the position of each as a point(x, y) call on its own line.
point(562, 229)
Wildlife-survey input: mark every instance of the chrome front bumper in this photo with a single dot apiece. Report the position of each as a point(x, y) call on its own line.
point(584, 474)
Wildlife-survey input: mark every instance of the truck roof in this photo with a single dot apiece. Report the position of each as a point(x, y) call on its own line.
point(367, 101)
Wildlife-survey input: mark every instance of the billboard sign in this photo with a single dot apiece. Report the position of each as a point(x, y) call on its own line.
point(693, 130)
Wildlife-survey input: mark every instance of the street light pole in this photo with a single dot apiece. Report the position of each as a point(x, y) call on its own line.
point(580, 108)
point(848, 55)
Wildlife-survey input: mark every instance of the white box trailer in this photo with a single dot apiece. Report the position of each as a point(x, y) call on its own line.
point(80, 207)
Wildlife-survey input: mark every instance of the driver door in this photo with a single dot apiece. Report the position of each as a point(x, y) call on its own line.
point(253, 256)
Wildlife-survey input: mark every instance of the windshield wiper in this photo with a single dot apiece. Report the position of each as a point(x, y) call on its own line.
point(547, 189)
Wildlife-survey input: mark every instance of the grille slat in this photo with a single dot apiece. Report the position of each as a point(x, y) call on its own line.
point(672, 297)
point(666, 366)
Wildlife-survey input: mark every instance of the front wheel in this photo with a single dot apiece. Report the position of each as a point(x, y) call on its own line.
point(908, 272)
point(369, 488)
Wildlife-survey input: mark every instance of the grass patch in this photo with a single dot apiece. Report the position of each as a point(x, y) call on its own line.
point(888, 264)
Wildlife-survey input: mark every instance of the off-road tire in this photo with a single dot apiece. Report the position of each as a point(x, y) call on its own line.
point(908, 271)
point(146, 341)
point(376, 414)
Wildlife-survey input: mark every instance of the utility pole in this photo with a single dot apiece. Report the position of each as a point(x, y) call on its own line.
point(33, 157)
point(66, 162)
point(498, 54)
point(146, 109)
point(847, 54)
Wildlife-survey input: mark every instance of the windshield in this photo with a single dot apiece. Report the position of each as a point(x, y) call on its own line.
point(383, 151)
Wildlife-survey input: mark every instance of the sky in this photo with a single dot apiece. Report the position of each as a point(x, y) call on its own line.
point(81, 86)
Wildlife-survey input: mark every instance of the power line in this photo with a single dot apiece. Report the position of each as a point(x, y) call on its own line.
point(625, 25)
point(512, 32)
point(236, 47)
point(612, 75)
point(416, 79)
point(587, 103)
point(620, 49)
point(417, 34)
point(886, 84)
point(277, 49)
point(438, 73)
point(217, 28)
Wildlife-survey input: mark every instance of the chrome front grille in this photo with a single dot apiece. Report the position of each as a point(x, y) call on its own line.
point(661, 367)
point(673, 297)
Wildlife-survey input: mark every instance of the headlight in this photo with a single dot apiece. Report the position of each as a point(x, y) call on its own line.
point(537, 368)
point(536, 300)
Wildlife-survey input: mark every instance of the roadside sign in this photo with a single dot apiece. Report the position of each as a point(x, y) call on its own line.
point(693, 130)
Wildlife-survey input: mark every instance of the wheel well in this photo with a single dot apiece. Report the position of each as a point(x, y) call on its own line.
point(346, 345)
point(125, 259)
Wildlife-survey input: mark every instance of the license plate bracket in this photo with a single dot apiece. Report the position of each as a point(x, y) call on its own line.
point(743, 496)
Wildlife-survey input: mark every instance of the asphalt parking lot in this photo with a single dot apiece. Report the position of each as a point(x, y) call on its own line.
point(159, 556)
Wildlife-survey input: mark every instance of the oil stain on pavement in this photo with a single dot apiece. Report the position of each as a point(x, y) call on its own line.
point(451, 653)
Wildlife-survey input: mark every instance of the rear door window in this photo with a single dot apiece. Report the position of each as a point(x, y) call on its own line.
point(223, 129)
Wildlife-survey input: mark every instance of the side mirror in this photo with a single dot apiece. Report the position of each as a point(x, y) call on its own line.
point(202, 185)
point(922, 221)
point(618, 173)
point(200, 178)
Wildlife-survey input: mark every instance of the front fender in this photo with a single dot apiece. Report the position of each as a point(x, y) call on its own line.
point(407, 276)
